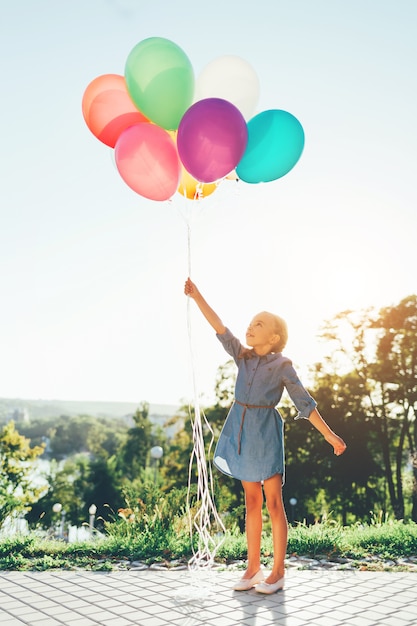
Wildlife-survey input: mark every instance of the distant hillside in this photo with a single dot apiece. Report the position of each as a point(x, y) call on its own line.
point(38, 409)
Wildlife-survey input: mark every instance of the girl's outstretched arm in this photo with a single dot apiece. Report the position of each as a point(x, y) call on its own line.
point(334, 440)
point(213, 319)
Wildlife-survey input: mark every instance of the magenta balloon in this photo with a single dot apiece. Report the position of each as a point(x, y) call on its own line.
point(212, 138)
point(148, 162)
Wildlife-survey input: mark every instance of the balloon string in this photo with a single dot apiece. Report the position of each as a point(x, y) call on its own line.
point(203, 517)
point(189, 250)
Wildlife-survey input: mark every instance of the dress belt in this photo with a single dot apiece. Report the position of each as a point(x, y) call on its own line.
point(248, 406)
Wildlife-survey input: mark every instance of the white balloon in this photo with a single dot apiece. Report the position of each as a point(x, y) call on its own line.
point(233, 79)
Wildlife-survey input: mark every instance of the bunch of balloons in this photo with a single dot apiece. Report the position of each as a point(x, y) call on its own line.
point(172, 133)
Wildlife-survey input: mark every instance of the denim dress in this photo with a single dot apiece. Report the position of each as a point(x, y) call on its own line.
point(251, 444)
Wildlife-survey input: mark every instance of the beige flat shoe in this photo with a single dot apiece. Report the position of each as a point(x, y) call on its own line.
point(269, 588)
point(247, 583)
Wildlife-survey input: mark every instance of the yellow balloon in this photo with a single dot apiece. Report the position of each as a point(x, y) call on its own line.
point(188, 186)
point(192, 188)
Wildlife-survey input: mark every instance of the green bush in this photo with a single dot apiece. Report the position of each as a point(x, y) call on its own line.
point(390, 540)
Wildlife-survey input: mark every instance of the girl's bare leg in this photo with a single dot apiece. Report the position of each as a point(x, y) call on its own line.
point(253, 501)
point(275, 505)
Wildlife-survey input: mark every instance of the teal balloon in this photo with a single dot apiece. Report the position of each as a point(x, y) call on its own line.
point(160, 80)
point(275, 144)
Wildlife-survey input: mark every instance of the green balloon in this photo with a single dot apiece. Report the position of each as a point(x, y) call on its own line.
point(160, 81)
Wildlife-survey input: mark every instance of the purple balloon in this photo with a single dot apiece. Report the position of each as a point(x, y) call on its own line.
point(212, 138)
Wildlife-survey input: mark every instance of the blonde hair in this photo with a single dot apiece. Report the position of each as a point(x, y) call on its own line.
point(280, 328)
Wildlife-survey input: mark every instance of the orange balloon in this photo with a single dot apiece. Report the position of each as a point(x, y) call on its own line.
point(232, 176)
point(108, 109)
point(192, 188)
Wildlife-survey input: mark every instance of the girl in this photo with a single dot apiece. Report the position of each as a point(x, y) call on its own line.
point(251, 447)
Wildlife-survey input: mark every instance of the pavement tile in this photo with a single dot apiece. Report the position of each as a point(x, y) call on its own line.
point(360, 620)
point(64, 617)
point(152, 621)
point(224, 621)
point(267, 621)
point(55, 611)
point(9, 603)
point(319, 609)
point(80, 621)
point(10, 620)
point(408, 616)
point(126, 610)
point(393, 620)
point(21, 611)
point(116, 621)
point(42, 603)
point(350, 608)
point(328, 620)
point(288, 621)
point(382, 609)
point(362, 603)
point(87, 610)
point(138, 603)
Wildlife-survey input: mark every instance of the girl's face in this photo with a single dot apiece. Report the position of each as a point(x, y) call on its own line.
point(261, 334)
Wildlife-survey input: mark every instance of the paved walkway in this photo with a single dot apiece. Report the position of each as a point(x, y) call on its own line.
point(183, 598)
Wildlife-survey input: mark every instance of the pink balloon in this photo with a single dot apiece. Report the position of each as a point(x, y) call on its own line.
point(108, 109)
point(212, 138)
point(148, 162)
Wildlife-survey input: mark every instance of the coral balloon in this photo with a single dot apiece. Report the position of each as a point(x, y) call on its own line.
point(108, 109)
point(148, 162)
point(275, 144)
point(212, 138)
point(192, 188)
point(233, 79)
point(160, 80)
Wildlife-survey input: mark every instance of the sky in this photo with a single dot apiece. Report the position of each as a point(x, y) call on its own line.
point(92, 274)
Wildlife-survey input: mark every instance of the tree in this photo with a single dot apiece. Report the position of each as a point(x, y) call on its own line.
point(67, 486)
point(396, 368)
point(86, 447)
point(104, 488)
point(134, 452)
point(348, 486)
point(84, 434)
point(17, 493)
point(382, 349)
point(175, 469)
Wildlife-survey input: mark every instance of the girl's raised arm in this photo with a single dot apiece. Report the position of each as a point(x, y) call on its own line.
point(213, 319)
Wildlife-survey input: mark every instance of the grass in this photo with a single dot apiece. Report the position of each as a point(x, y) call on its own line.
point(374, 543)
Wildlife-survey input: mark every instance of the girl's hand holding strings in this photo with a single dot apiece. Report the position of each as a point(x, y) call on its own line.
point(211, 316)
point(190, 289)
